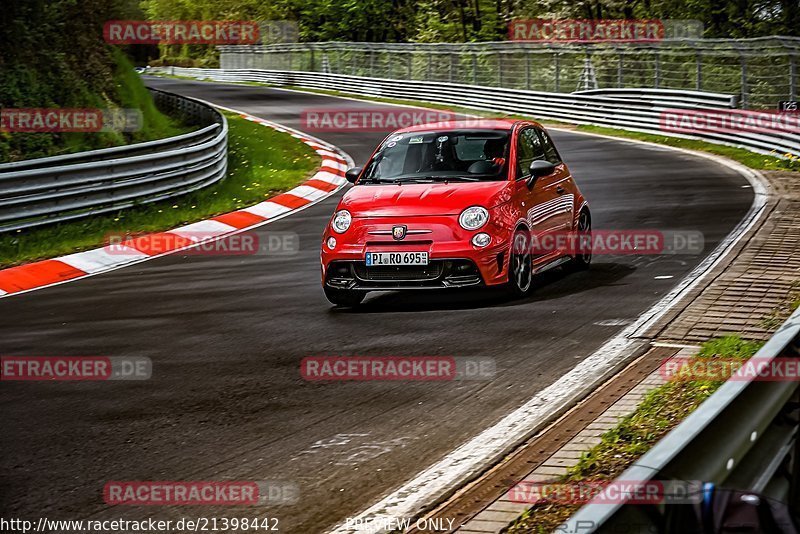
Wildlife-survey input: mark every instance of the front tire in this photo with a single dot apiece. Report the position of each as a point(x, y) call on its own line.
point(520, 266)
point(583, 258)
point(345, 298)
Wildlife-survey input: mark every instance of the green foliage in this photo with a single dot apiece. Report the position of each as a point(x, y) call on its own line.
point(52, 54)
point(261, 163)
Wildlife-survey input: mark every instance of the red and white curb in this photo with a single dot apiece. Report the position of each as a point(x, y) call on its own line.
point(328, 179)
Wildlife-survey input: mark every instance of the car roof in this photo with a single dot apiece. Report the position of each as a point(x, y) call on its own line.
point(465, 124)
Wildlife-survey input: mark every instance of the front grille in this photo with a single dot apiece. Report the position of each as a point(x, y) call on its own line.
point(393, 273)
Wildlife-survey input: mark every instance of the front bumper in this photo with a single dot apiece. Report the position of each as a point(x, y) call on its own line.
point(453, 260)
point(438, 274)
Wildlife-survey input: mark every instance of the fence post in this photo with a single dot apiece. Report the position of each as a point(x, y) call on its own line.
point(430, 65)
point(699, 70)
point(372, 63)
point(658, 70)
point(475, 68)
point(451, 56)
point(792, 77)
point(620, 75)
point(499, 70)
point(409, 58)
point(527, 71)
point(557, 61)
point(745, 88)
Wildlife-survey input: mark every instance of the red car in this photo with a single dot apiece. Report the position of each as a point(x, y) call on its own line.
point(452, 205)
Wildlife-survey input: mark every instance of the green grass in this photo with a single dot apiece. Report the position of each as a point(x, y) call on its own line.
point(261, 163)
point(658, 413)
point(745, 157)
point(777, 316)
point(126, 92)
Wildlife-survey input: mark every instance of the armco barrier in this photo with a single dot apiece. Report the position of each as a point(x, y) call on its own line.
point(61, 188)
point(743, 437)
point(641, 115)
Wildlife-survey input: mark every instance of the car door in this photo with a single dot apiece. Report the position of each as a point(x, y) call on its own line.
point(540, 202)
point(561, 180)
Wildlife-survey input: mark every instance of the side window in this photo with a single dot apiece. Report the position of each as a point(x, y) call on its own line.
point(529, 148)
point(550, 152)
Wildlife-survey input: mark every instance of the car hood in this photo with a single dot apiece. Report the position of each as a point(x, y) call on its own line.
point(423, 199)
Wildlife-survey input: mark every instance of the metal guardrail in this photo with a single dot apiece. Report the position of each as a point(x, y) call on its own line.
point(62, 188)
point(668, 97)
point(610, 111)
point(742, 437)
point(761, 71)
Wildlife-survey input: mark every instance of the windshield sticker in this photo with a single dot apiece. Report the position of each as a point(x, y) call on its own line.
point(390, 145)
point(396, 138)
point(414, 140)
point(442, 139)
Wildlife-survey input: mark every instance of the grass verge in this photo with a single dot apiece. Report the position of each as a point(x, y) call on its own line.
point(745, 157)
point(659, 412)
point(261, 163)
point(779, 315)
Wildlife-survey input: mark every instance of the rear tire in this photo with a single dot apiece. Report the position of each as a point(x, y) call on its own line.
point(345, 298)
point(520, 266)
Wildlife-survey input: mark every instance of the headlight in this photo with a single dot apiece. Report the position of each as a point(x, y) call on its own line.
point(341, 221)
point(473, 218)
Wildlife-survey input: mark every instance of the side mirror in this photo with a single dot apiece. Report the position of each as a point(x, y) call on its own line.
point(538, 169)
point(352, 174)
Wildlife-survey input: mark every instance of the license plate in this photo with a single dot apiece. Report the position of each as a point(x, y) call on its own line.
point(397, 258)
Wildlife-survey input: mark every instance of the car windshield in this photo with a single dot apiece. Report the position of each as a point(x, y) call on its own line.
point(452, 155)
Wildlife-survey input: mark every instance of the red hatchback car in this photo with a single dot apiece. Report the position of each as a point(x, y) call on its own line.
point(452, 205)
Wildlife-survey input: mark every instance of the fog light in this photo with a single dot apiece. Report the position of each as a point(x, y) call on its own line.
point(331, 242)
point(481, 240)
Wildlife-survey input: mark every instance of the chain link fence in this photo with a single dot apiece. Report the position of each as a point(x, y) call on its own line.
point(762, 71)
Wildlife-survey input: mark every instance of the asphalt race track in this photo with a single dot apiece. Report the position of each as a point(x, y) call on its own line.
point(226, 336)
